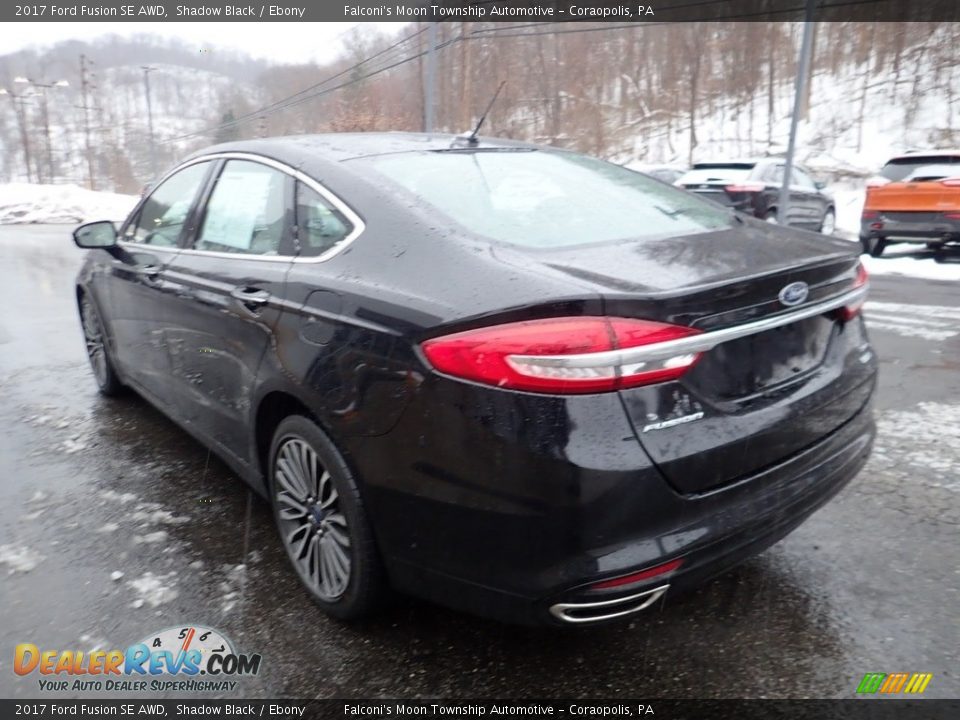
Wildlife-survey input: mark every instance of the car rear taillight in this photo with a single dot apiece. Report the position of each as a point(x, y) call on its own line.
point(848, 312)
point(869, 215)
point(951, 182)
point(877, 181)
point(560, 355)
point(953, 215)
point(746, 187)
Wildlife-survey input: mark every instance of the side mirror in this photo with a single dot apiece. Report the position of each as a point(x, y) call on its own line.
point(100, 234)
point(819, 185)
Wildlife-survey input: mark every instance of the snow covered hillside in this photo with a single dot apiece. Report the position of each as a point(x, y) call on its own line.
point(25, 203)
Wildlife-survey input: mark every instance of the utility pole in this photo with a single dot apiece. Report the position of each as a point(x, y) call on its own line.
point(428, 94)
point(153, 147)
point(45, 113)
point(806, 46)
point(84, 88)
point(20, 110)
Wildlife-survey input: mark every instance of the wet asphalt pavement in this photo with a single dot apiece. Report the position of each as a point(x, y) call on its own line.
point(92, 487)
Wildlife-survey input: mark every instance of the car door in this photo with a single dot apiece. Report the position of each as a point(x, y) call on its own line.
point(139, 288)
point(230, 279)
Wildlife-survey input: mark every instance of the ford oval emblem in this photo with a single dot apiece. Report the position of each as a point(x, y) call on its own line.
point(794, 293)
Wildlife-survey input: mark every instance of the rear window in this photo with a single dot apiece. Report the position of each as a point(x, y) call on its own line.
point(900, 168)
point(544, 199)
point(717, 173)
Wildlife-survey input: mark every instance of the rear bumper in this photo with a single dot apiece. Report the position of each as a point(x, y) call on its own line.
point(903, 229)
point(533, 559)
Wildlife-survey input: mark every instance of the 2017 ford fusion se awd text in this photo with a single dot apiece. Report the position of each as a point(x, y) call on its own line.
point(508, 378)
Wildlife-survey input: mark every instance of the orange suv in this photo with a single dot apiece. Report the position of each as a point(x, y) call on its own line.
point(915, 199)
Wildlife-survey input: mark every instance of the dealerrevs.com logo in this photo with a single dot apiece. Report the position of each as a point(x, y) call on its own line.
point(184, 659)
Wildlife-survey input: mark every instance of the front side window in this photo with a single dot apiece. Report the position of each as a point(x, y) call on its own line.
point(246, 212)
point(543, 199)
point(320, 226)
point(163, 214)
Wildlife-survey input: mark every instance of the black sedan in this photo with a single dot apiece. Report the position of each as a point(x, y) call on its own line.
point(753, 186)
point(508, 378)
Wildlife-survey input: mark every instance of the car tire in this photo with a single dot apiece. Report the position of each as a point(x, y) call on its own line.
point(321, 520)
point(829, 223)
point(876, 246)
point(98, 349)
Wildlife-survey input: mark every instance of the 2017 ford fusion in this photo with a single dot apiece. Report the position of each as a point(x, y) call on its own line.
point(508, 378)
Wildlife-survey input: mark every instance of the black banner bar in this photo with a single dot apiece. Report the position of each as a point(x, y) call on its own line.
point(620, 11)
point(859, 709)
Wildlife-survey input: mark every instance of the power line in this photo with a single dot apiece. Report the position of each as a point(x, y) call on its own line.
point(295, 98)
point(318, 90)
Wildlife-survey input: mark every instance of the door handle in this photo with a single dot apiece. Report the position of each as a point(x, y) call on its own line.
point(250, 296)
point(150, 272)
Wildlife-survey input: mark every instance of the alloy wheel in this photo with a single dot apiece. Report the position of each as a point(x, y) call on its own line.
point(313, 527)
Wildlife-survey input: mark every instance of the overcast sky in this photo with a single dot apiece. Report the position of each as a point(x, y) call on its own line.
point(282, 42)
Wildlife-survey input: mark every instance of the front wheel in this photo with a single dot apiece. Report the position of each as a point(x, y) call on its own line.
point(322, 523)
point(98, 353)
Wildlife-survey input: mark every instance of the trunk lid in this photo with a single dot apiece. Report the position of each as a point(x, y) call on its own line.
point(749, 402)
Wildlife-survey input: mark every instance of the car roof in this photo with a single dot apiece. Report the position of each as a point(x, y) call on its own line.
point(347, 146)
point(913, 154)
point(740, 161)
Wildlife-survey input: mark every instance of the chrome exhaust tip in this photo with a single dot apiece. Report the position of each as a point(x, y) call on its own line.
point(586, 612)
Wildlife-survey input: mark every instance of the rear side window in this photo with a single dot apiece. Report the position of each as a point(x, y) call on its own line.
point(543, 199)
point(900, 168)
point(717, 173)
point(320, 226)
point(163, 214)
point(247, 211)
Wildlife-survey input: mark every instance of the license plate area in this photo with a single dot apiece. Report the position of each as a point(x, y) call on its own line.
point(762, 362)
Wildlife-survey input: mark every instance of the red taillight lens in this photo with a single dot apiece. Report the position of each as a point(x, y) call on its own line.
point(869, 215)
point(560, 355)
point(747, 187)
point(951, 182)
point(638, 576)
point(952, 215)
point(851, 311)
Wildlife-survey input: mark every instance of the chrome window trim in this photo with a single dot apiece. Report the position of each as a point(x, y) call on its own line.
point(358, 225)
point(694, 343)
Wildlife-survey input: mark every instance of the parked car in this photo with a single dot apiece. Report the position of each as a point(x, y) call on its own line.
point(664, 173)
point(916, 199)
point(753, 186)
point(508, 378)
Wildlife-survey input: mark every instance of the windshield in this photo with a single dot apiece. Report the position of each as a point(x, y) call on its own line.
point(548, 199)
point(899, 168)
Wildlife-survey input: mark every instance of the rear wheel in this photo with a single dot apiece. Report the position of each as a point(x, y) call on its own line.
point(829, 223)
point(97, 351)
point(321, 521)
point(877, 246)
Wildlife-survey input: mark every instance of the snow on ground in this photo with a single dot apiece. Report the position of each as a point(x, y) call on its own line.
point(29, 203)
point(912, 261)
